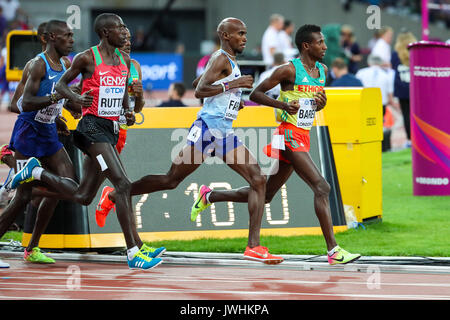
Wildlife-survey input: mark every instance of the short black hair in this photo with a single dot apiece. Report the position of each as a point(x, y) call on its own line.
point(179, 88)
point(53, 25)
point(102, 21)
point(41, 28)
point(304, 34)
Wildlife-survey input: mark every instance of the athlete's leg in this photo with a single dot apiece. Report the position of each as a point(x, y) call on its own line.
point(108, 162)
point(60, 164)
point(242, 161)
point(183, 165)
point(279, 174)
point(64, 188)
point(308, 171)
point(18, 202)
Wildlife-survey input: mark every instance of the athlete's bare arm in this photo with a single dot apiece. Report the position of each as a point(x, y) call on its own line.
point(321, 97)
point(31, 102)
point(20, 87)
point(219, 68)
point(83, 63)
point(285, 76)
point(137, 89)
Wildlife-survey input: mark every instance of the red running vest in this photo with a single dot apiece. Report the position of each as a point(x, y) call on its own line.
point(108, 85)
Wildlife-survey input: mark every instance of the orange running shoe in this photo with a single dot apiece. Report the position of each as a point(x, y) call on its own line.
point(261, 254)
point(104, 207)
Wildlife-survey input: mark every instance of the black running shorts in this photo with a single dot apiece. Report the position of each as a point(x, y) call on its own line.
point(92, 129)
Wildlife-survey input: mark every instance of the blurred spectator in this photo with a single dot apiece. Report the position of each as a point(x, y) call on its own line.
point(375, 76)
point(138, 43)
point(382, 47)
point(3, 26)
point(351, 48)
point(204, 60)
point(286, 46)
point(278, 60)
point(373, 40)
point(4, 86)
point(332, 34)
point(176, 92)
point(342, 76)
point(400, 65)
point(270, 43)
point(10, 9)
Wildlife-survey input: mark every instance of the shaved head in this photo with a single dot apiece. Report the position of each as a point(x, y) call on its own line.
point(228, 25)
point(104, 20)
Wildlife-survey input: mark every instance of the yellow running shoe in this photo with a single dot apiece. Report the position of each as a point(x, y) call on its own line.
point(340, 256)
point(36, 256)
point(200, 203)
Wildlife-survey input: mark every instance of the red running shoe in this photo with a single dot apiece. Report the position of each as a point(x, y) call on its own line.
point(104, 207)
point(261, 254)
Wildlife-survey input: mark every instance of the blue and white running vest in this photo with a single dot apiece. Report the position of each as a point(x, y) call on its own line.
point(220, 110)
point(45, 118)
point(35, 133)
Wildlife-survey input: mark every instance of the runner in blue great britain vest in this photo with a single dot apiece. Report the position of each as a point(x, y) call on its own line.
point(211, 134)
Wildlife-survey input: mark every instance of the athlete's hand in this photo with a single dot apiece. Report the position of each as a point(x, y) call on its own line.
point(241, 105)
point(61, 126)
point(321, 100)
point(75, 115)
point(243, 82)
point(136, 86)
point(291, 107)
point(130, 117)
point(86, 99)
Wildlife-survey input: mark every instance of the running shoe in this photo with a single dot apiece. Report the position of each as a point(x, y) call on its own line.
point(141, 261)
point(5, 192)
point(3, 264)
point(152, 252)
point(104, 207)
point(261, 254)
point(340, 256)
point(36, 256)
point(4, 151)
point(200, 203)
point(25, 175)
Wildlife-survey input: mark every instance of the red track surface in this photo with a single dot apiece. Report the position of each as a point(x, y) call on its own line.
point(105, 281)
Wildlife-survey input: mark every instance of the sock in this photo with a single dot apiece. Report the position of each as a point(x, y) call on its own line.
point(37, 172)
point(26, 253)
point(131, 252)
point(207, 197)
point(332, 251)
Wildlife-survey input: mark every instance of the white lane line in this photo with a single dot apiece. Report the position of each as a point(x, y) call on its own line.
point(105, 277)
point(245, 294)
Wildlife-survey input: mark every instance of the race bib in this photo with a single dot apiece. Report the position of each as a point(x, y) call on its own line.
point(110, 101)
point(194, 134)
point(278, 142)
point(233, 106)
point(306, 113)
point(49, 113)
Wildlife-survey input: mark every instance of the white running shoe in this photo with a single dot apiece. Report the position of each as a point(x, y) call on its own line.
point(3, 264)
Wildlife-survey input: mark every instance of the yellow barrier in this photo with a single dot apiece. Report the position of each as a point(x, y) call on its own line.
point(355, 121)
point(15, 73)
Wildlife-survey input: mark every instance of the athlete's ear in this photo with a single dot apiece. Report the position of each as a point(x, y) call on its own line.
point(305, 45)
point(51, 36)
point(225, 35)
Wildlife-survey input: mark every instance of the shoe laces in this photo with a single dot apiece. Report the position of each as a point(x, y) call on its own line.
point(140, 254)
